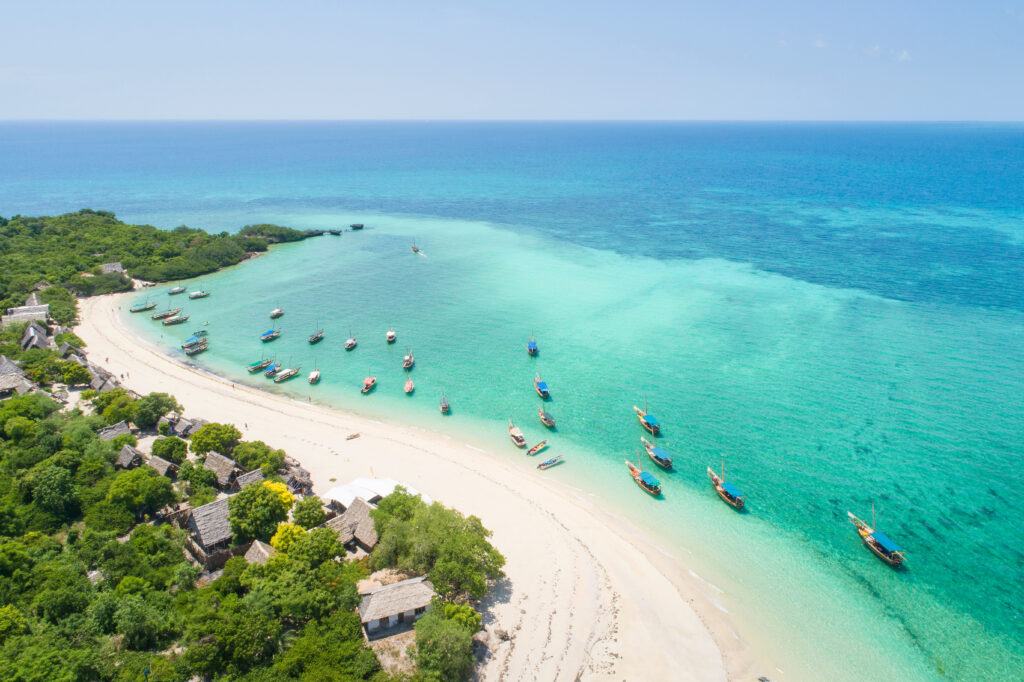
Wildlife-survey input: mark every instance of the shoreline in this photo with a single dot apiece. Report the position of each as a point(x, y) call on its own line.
point(614, 604)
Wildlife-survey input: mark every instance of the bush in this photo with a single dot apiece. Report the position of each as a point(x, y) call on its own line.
point(258, 455)
point(173, 449)
point(214, 437)
point(444, 648)
point(285, 535)
point(146, 411)
point(309, 512)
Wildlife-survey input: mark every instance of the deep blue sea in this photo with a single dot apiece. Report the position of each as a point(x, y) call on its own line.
point(836, 309)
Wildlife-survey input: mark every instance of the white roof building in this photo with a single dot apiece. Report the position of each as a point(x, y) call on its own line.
point(368, 489)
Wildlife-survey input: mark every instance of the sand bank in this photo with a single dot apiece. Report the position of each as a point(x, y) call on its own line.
point(586, 597)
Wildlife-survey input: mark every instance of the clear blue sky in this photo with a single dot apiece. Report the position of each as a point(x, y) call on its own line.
point(520, 59)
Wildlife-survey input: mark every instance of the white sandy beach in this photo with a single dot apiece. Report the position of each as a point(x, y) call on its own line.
point(585, 596)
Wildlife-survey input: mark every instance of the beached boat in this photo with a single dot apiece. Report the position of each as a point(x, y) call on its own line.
point(661, 456)
point(537, 448)
point(391, 336)
point(409, 387)
point(198, 348)
point(541, 387)
point(445, 407)
point(368, 384)
point(548, 463)
point(272, 370)
point(878, 542)
point(259, 365)
point(317, 336)
point(202, 293)
point(176, 290)
point(276, 313)
point(286, 374)
point(165, 314)
point(356, 226)
point(192, 341)
point(729, 493)
point(408, 361)
point(142, 307)
point(350, 342)
point(545, 418)
point(516, 435)
point(531, 345)
point(314, 376)
point(177, 319)
point(648, 420)
point(644, 479)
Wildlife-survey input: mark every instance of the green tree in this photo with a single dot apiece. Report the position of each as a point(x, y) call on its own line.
point(173, 449)
point(285, 535)
point(463, 614)
point(214, 437)
point(332, 649)
point(258, 455)
point(444, 649)
point(12, 622)
point(53, 490)
point(146, 411)
point(140, 490)
point(309, 512)
point(20, 429)
point(74, 374)
point(255, 512)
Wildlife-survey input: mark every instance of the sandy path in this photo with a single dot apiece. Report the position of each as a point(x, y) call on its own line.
point(584, 598)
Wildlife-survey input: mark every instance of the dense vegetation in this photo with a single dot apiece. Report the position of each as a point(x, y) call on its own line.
point(67, 250)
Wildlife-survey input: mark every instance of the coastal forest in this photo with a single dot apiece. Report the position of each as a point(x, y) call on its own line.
point(66, 251)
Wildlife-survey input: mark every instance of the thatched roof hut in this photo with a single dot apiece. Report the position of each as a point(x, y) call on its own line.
point(222, 467)
point(112, 432)
point(401, 602)
point(210, 525)
point(128, 458)
point(354, 526)
point(259, 552)
point(163, 467)
point(254, 476)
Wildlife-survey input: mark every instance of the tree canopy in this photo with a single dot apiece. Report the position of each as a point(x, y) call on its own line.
point(256, 511)
point(214, 437)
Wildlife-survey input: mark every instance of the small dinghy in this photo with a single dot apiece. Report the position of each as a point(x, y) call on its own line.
point(537, 448)
point(368, 385)
point(409, 387)
point(548, 463)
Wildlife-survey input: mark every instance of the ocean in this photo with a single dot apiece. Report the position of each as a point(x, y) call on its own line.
point(835, 311)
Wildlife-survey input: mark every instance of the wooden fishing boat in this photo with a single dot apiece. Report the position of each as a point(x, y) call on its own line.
point(142, 307)
point(276, 313)
point(259, 365)
point(177, 319)
point(356, 226)
point(545, 418)
point(643, 479)
point(176, 290)
point(408, 361)
point(415, 249)
point(445, 407)
point(391, 337)
point(198, 348)
point(202, 293)
point(661, 457)
point(314, 376)
point(368, 384)
point(336, 233)
point(537, 448)
point(200, 332)
point(165, 314)
point(878, 542)
point(272, 370)
point(317, 336)
point(409, 387)
point(516, 435)
point(647, 420)
point(729, 493)
point(350, 342)
point(531, 345)
point(541, 387)
point(548, 463)
point(270, 335)
point(286, 374)
point(192, 341)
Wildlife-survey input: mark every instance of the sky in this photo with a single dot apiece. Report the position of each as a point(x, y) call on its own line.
point(519, 59)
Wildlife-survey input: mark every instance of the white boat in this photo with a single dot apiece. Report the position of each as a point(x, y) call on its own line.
point(391, 336)
point(276, 313)
point(314, 376)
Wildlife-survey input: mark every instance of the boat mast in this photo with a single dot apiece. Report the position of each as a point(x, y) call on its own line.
point(873, 526)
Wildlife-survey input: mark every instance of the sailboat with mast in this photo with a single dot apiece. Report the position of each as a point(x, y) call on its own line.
point(643, 479)
point(647, 420)
point(317, 336)
point(729, 493)
point(878, 542)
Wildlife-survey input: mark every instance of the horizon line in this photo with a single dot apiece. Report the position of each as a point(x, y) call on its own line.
point(508, 120)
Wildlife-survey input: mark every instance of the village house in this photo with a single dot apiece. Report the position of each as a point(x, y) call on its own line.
point(108, 268)
point(12, 379)
point(222, 467)
point(128, 458)
point(370, 490)
point(112, 432)
point(210, 534)
point(355, 528)
point(386, 607)
point(259, 552)
point(26, 313)
point(254, 476)
point(163, 467)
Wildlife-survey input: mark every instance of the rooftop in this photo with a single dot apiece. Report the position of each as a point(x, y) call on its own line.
point(355, 524)
point(391, 600)
point(259, 552)
point(128, 457)
point(220, 465)
point(254, 476)
point(211, 523)
point(112, 432)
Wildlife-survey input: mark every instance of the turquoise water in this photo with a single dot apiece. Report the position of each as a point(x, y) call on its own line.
point(835, 310)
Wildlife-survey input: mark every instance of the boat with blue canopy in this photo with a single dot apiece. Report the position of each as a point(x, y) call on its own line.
point(531, 345)
point(259, 365)
point(661, 456)
point(878, 542)
point(548, 463)
point(193, 341)
point(541, 387)
point(643, 479)
point(647, 420)
point(270, 335)
point(729, 493)
point(272, 370)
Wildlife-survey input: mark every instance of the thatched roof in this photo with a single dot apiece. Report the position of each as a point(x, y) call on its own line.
point(355, 524)
point(259, 553)
point(34, 336)
point(163, 467)
point(112, 432)
point(111, 267)
point(8, 366)
point(397, 598)
point(254, 476)
point(26, 313)
point(210, 523)
point(220, 465)
point(128, 457)
point(33, 299)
